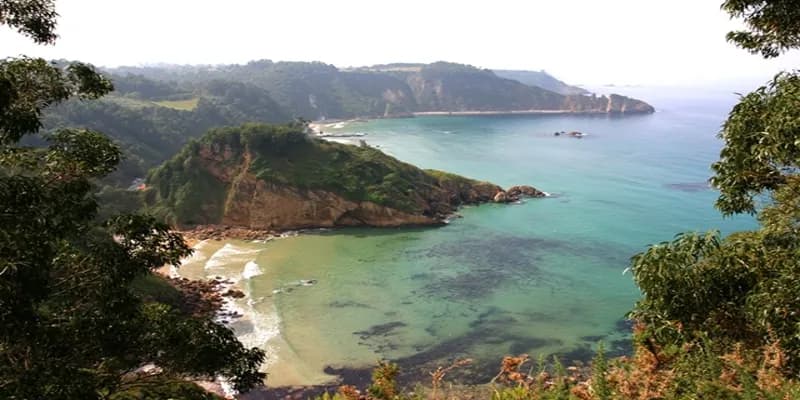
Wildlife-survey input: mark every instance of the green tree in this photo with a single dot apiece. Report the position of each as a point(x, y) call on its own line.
point(715, 292)
point(33, 18)
point(774, 25)
point(71, 327)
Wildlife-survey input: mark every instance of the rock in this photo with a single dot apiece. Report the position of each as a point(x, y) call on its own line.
point(501, 197)
point(524, 190)
point(236, 294)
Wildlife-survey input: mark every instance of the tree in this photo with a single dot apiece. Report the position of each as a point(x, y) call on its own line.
point(774, 25)
point(71, 327)
point(713, 293)
point(33, 18)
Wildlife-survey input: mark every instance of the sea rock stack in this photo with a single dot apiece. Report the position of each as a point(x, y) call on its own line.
point(515, 193)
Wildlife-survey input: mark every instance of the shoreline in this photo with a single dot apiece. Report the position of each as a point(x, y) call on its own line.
point(316, 125)
point(508, 112)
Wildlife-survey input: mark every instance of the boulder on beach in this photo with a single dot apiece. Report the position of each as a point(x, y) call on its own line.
point(235, 293)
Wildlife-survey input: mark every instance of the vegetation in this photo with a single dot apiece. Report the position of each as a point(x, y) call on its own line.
point(774, 25)
point(74, 321)
point(151, 120)
point(186, 189)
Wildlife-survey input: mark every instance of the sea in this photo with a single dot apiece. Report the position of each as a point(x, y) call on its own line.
point(546, 277)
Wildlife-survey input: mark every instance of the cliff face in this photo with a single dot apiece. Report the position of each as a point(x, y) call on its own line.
point(447, 87)
point(276, 178)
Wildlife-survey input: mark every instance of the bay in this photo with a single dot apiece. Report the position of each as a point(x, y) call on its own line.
point(541, 277)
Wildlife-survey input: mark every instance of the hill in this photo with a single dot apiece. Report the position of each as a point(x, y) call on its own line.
point(151, 120)
point(541, 79)
point(277, 177)
point(315, 90)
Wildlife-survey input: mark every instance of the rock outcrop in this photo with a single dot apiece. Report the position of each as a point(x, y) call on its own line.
point(516, 193)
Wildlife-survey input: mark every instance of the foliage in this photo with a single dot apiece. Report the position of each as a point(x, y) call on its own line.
point(72, 325)
point(384, 381)
point(653, 372)
point(30, 85)
point(33, 18)
point(762, 145)
point(774, 25)
point(160, 389)
point(711, 306)
point(146, 120)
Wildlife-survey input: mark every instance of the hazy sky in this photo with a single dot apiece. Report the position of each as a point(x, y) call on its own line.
point(582, 42)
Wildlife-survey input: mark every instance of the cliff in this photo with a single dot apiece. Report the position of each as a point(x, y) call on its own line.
point(275, 177)
point(448, 87)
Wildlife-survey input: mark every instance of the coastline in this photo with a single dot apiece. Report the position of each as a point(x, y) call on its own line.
point(317, 126)
point(507, 112)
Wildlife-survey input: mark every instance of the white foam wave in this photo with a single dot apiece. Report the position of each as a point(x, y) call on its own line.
point(263, 327)
point(251, 269)
point(266, 326)
point(223, 255)
point(196, 255)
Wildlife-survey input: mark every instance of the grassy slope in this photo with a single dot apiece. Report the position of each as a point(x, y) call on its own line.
point(186, 105)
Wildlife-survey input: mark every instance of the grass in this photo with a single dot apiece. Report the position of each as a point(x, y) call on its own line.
point(130, 102)
point(185, 105)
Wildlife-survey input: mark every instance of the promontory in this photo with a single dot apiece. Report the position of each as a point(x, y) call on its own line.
point(277, 177)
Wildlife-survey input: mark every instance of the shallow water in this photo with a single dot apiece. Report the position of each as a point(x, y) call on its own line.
point(542, 277)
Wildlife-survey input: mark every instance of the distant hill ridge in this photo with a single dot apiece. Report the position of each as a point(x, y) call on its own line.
point(541, 79)
point(315, 90)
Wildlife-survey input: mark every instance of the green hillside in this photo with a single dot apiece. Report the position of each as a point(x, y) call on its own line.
point(196, 185)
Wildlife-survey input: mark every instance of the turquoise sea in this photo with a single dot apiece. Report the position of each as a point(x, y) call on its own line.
point(542, 277)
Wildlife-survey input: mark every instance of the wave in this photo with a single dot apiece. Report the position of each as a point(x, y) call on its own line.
point(251, 269)
point(222, 256)
point(196, 254)
point(255, 329)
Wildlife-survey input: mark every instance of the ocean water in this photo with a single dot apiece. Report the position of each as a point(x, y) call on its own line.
point(542, 277)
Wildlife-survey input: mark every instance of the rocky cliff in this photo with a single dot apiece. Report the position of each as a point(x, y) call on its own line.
point(275, 178)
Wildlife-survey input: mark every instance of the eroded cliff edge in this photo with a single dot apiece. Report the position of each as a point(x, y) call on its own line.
point(275, 177)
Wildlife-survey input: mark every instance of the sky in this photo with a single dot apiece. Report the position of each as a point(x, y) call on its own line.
point(589, 42)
